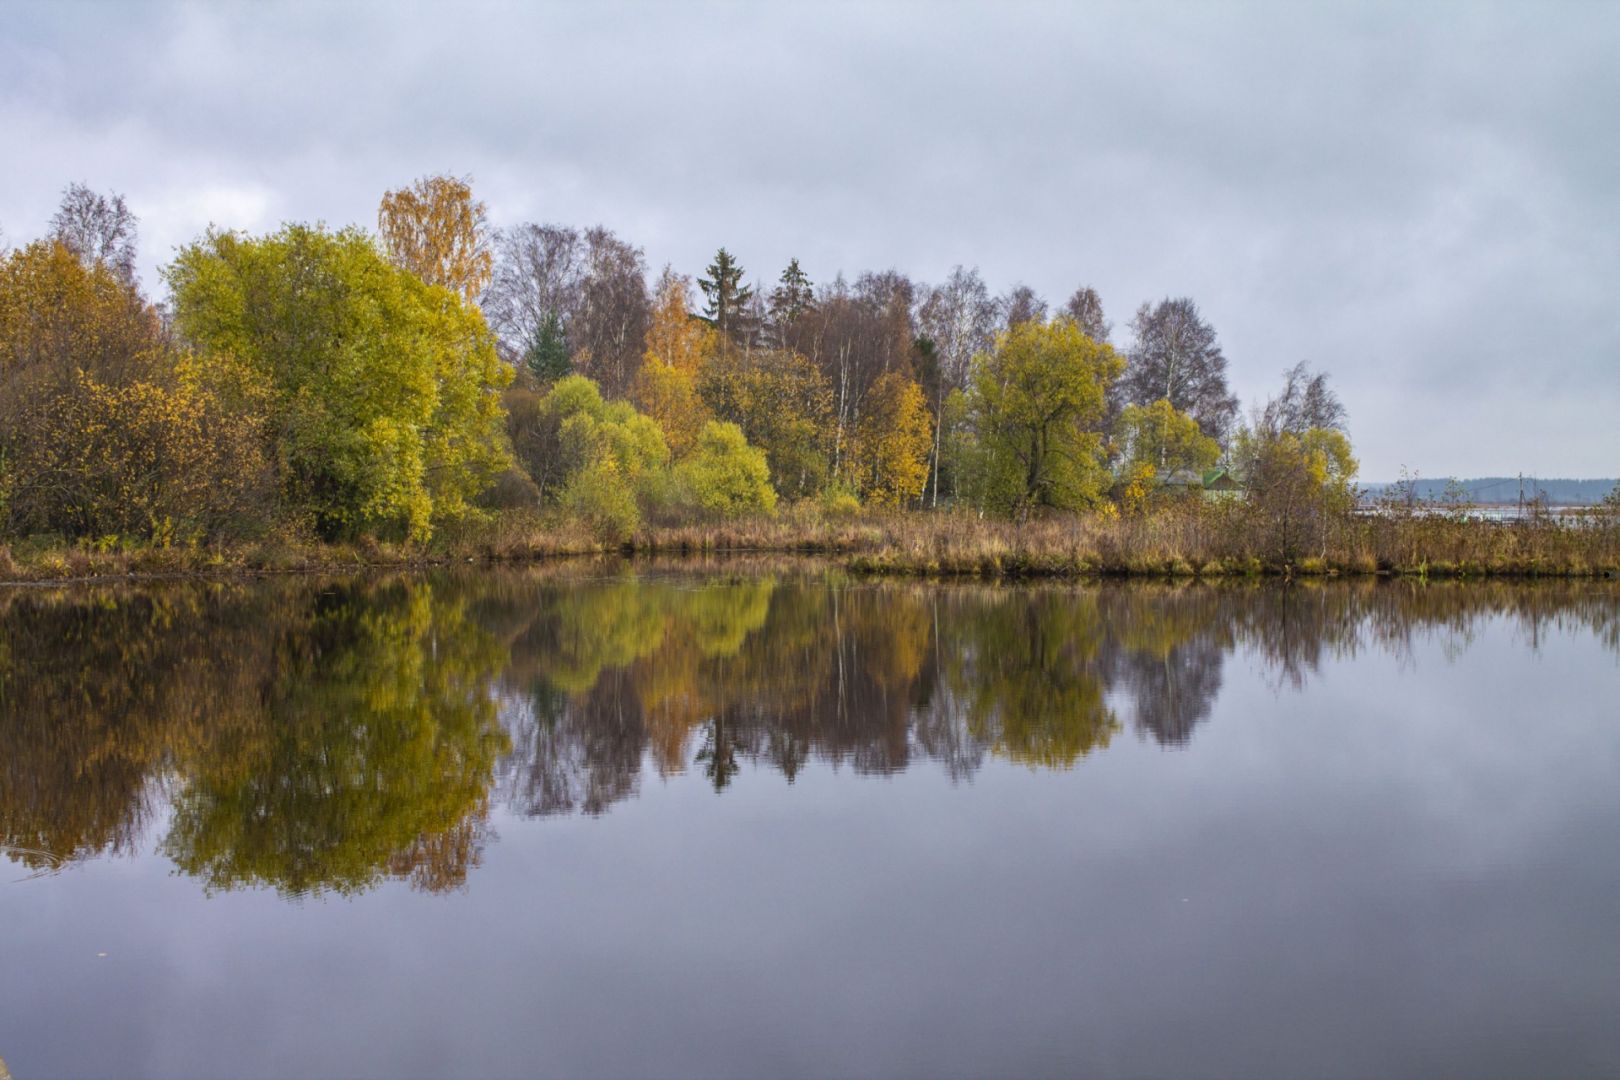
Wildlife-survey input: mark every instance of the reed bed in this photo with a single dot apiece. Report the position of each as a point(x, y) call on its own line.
point(1186, 541)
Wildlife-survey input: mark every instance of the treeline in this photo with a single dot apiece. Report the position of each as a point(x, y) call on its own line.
point(336, 384)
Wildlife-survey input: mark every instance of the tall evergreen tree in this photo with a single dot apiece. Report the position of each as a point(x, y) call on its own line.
point(725, 292)
point(792, 297)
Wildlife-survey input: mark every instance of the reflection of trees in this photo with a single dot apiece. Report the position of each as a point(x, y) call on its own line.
point(98, 690)
point(374, 755)
point(313, 737)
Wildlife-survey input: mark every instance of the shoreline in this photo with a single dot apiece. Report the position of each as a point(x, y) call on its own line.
point(901, 544)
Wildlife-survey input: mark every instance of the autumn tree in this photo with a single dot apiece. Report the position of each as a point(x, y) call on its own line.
point(957, 321)
point(610, 457)
point(535, 283)
point(98, 229)
point(856, 334)
point(1163, 439)
point(726, 297)
point(1306, 402)
point(608, 330)
point(670, 396)
point(1297, 465)
point(783, 405)
point(724, 475)
point(381, 393)
point(1176, 357)
point(438, 231)
point(104, 430)
point(591, 284)
point(678, 344)
point(893, 441)
point(1035, 398)
point(675, 337)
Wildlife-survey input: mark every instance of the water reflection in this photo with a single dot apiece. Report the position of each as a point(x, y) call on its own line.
point(309, 736)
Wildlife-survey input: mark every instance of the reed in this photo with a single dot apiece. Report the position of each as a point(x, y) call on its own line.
point(1187, 540)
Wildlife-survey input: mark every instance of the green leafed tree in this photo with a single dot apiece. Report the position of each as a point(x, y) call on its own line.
point(726, 476)
point(1163, 438)
point(1035, 398)
point(381, 393)
point(608, 458)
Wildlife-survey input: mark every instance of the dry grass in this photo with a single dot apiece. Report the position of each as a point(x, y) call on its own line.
point(1186, 541)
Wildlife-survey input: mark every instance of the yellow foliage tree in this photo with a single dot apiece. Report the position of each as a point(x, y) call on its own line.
point(892, 442)
point(674, 337)
point(669, 395)
point(438, 231)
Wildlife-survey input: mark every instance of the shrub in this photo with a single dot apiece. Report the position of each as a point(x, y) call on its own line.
point(725, 476)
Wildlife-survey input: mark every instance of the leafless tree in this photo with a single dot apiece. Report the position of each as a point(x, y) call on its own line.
point(1176, 356)
point(1085, 308)
point(1306, 402)
point(98, 229)
point(538, 272)
point(1022, 304)
point(958, 320)
point(610, 325)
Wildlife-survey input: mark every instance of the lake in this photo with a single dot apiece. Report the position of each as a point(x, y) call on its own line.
point(759, 818)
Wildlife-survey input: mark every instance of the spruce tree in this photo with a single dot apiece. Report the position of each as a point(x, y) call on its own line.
point(725, 292)
point(547, 355)
point(793, 296)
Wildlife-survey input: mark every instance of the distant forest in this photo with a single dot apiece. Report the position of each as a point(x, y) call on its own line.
point(1505, 489)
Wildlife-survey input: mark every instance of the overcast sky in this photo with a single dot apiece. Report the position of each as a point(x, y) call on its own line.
point(1422, 199)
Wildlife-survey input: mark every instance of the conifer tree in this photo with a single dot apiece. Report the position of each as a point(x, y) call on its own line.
point(793, 295)
point(726, 294)
point(547, 355)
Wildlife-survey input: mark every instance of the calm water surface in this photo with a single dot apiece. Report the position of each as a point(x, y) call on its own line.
point(764, 820)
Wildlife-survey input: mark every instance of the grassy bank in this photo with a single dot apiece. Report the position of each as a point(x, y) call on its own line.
point(1174, 542)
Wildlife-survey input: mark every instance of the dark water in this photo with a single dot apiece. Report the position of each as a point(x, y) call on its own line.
point(767, 821)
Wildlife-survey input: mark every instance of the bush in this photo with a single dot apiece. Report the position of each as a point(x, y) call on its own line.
point(162, 461)
point(598, 497)
point(725, 476)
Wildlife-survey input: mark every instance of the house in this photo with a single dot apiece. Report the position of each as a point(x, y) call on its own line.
point(1222, 483)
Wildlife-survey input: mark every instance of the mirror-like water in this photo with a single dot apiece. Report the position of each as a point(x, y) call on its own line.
point(762, 819)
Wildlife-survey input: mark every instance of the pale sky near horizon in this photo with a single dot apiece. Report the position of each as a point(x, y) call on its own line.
point(1423, 200)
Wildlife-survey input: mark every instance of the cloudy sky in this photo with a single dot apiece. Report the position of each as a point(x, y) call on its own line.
point(1422, 199)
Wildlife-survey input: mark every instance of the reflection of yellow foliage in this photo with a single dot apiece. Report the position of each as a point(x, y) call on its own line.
point(1040, 693)
point(379, 744)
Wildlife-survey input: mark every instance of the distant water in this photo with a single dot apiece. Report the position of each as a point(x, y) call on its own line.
point(760, 819)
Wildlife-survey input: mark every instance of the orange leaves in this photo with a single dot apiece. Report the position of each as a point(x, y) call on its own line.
point(438, 231)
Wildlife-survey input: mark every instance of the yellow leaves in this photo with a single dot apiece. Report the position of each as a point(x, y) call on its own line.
point(57, 314)
point(669, 395)
point(1137, 488)
point(892, 442)
point(1164, 438)
point(674, 337)
point(436, 230)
